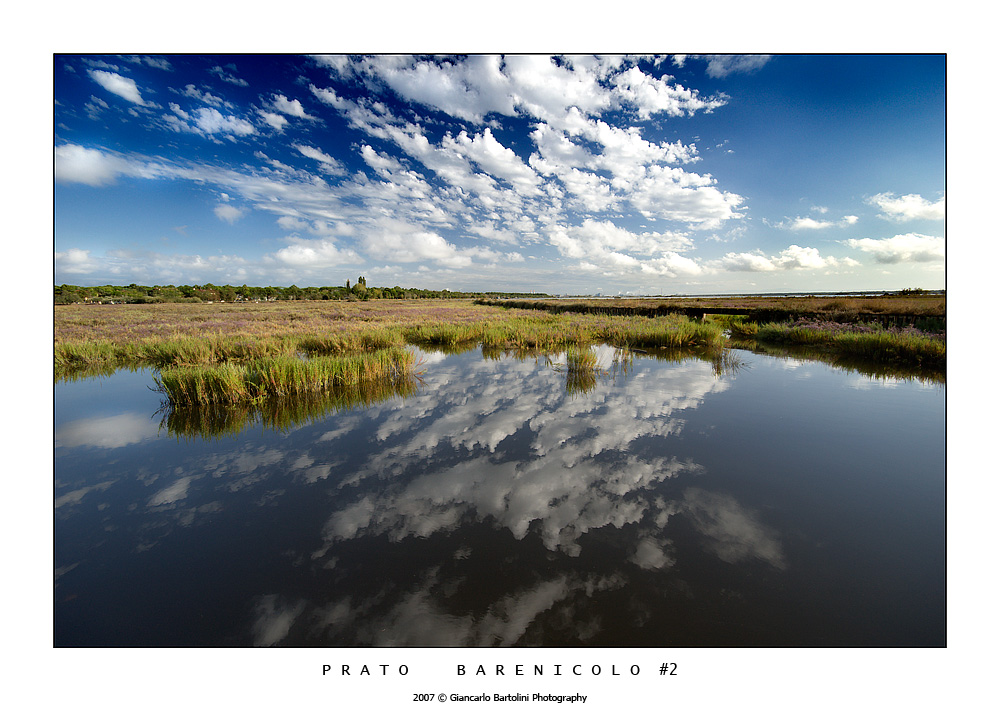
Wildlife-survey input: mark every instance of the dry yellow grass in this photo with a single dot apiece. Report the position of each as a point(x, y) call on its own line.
point(123, 324)
point(915, 305)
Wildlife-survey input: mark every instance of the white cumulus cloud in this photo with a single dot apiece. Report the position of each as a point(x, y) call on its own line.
point(207, 121)
point(76, 164)
point(602, 244)
point(909, 207)
point(651, 95)
point(210, 120)
point(792, 258)
point(119, 85)
point(811, 224)
point(316, 254)
point(75, 260)
point(908, 247)
point(229, 214)
point(275, 120)
point(290, 107)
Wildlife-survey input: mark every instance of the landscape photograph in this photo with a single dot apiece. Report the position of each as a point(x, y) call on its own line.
point(590, 352)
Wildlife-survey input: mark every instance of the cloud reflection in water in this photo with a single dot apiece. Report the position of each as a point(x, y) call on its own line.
point(519, 454)
point(493, 506)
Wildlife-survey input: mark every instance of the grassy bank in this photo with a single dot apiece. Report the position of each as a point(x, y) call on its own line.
point(928, 305)
point(294, 319)
point(169, 335)
point(164, 337)
point(891, 346)
point(225, 342)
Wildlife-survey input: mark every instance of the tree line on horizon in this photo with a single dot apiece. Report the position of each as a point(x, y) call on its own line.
point(208, 292)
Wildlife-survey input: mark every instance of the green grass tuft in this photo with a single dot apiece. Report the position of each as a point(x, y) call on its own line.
point(261, 379)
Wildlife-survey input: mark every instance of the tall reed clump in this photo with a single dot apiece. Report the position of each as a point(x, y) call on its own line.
point(175, 351)
point(742, 329)
point(195, 385)
point(88, 353)
point(352, 341)
point(567, 330)
point(540, 333)
point(890, 347)
point(784, 333)
point(261, 379)
point(87, 359)
point(180, 351)
point(446, 334)
point(661, 332)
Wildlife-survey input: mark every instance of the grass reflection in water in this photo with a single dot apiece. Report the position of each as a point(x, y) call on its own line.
point(282, 413)
point(583, 367)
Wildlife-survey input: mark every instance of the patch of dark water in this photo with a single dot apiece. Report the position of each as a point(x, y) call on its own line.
point(502, 502)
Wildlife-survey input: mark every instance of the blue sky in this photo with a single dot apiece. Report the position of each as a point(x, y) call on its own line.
point(577, 174)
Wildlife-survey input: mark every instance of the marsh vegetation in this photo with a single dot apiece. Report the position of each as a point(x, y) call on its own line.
point(915, 303)
point(895, 347)
point(244, 353)
point(259, 379)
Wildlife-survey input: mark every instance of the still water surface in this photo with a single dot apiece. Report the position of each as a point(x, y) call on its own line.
point(659, 503)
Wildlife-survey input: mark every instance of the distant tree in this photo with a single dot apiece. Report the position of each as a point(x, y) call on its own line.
point(207, 293)
point(135, 293)
point(67, 294)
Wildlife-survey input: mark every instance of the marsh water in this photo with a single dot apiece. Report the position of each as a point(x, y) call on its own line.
point(502, 501)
